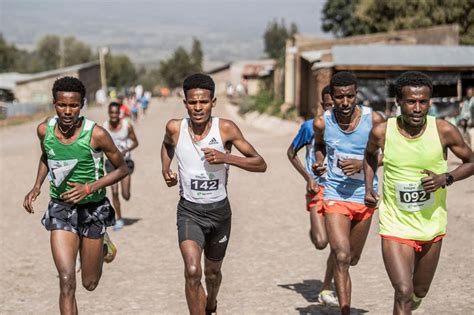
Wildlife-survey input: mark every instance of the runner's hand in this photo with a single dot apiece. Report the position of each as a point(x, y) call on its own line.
point(75, 194)
point(371, 199)
point(29, 198)
point(433, 181)
point(214, 156)
point(351, 166)
point(319, 169)
point(311, 186)
point(170, 177)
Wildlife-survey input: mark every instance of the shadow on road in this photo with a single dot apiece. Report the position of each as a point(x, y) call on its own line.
point(309, 289)
point(130, 221)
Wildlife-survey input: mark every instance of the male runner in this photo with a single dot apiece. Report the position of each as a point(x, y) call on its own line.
point(341, 135)
point(123, 135)
point(413, 213)
point(314, 203)
point(78, 212)
point(202, 144)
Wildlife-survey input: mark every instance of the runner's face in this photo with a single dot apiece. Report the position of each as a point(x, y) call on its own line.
point(469, 93)
point(114, 114)
point(415, 104)
point(327, 102)
point(344, 98)
point(199, 104)
point(68, 107)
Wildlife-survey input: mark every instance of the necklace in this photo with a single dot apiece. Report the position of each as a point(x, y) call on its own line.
point(69, 129)
point(350, 123)
point(193, 135)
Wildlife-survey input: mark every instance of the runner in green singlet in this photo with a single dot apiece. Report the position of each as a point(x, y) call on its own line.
point(78, 212)
point(413, 214)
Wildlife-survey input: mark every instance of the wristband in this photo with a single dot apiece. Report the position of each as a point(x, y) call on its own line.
point(87, 188)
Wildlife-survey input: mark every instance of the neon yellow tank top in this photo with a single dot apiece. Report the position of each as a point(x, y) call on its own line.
point(407, 211)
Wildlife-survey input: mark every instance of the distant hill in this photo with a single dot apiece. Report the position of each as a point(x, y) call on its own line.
point(149, 31)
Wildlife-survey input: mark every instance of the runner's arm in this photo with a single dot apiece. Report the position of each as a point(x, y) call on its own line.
point(167, 152)
point(100, 141)
point(319, 146)
point(251, 161)
point(371, 162)
point(132, 136)
point(41, 174)
point(451, 138)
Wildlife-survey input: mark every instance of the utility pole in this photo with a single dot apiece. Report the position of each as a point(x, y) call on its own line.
point(103, 78)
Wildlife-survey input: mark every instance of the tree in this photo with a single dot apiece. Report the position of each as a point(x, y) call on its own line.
point(48, 50)
point(339, 18)
point(196, 55)
point(120, 71)
point(75, 52)
point(176, 68)
point(7, 55)
point(275, 37)
point(386, 15)
point(353, 17)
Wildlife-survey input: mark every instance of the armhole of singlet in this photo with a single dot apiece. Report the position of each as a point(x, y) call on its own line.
point(182, 128)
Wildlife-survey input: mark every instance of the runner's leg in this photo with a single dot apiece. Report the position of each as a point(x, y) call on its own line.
point(64, 247)
point(92, 258)
point(338, 227)
point(195, 295)
point(359, 232)
point(399, 261)
point(126, 185)
point(212, 271)
point(116, 201)
point(425, 268)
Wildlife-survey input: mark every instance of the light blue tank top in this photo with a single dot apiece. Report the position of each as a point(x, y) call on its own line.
point(342, 145)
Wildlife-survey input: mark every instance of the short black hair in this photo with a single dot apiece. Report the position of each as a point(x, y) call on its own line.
point(198, 81)
point(412, 78)
point(69, 84)
point(114, 104)
point(326, 90)
point(343, 78)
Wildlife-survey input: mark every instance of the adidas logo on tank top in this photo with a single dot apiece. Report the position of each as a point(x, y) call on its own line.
point(213, 141)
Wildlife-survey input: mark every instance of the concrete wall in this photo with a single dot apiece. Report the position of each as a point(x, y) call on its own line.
point(90, 77)
point(220, 79)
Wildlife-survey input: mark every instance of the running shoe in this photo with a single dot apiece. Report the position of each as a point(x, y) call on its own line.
point(328, 297)
point(415, 302)
point(109, 248)
point(118, 225)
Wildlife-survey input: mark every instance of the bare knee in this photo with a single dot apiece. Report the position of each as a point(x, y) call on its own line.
point(193, 274)
point(126, 196)
point(355, 260)
point(421, 290)
point(403, 292)
point(67, 283)
point(90, 284)
point(115, 194)
point(343, 259)
point(319, 241)
point(212, 274)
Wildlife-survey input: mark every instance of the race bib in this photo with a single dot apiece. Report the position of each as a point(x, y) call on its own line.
point(337, 169)
point(60, 169)
point(204, 185)
point(412, 197)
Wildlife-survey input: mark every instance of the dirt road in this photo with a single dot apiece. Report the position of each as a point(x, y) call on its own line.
point(270, 268)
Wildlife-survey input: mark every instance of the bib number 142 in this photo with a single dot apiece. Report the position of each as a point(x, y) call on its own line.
point(204, 185)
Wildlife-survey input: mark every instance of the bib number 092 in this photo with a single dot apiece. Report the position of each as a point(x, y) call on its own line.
point(414, 196)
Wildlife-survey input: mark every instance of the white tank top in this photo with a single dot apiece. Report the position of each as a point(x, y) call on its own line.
point(120, 137)
point(200, 182)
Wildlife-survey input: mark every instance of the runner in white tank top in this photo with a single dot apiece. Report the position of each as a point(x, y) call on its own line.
point(123, 135)
point(202, 144)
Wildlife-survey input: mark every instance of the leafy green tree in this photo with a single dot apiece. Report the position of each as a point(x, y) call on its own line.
point(48, 51)
point(7, 55)
point(76, 52)
point(176, 68)
point(120, 71)
point(387, 15)
point(339, 18)
point(149, 79)
point(196, 56)
point(275, 37)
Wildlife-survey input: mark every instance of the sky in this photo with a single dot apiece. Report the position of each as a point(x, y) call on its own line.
point(149, 31)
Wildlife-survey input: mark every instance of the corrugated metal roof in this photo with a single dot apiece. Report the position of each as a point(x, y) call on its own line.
point(58, 72)
point(8, 80)
point(404, 55)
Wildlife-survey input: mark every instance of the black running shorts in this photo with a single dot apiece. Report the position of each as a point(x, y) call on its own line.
point(206, 224)
point(131, 166)
point(88, 220)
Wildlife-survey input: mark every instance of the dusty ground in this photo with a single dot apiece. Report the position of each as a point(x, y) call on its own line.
point(271, 266)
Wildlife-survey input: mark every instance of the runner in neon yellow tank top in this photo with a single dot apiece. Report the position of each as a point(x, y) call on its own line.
point(413, 214)
point(78, 212)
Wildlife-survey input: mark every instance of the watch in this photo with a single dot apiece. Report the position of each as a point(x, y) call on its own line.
point(449, 179)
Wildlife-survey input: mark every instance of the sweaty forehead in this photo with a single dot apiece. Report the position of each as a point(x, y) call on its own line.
point(344, 89)
point(198, 93)
point(69, 97)
point(416, 91)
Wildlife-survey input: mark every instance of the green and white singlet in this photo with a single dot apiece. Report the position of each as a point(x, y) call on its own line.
point(408, 211)
point(77, 162)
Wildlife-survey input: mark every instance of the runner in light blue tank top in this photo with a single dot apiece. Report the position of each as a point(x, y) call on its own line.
point(341, 145)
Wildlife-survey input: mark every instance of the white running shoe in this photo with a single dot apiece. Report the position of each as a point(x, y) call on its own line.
point(328, 297)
